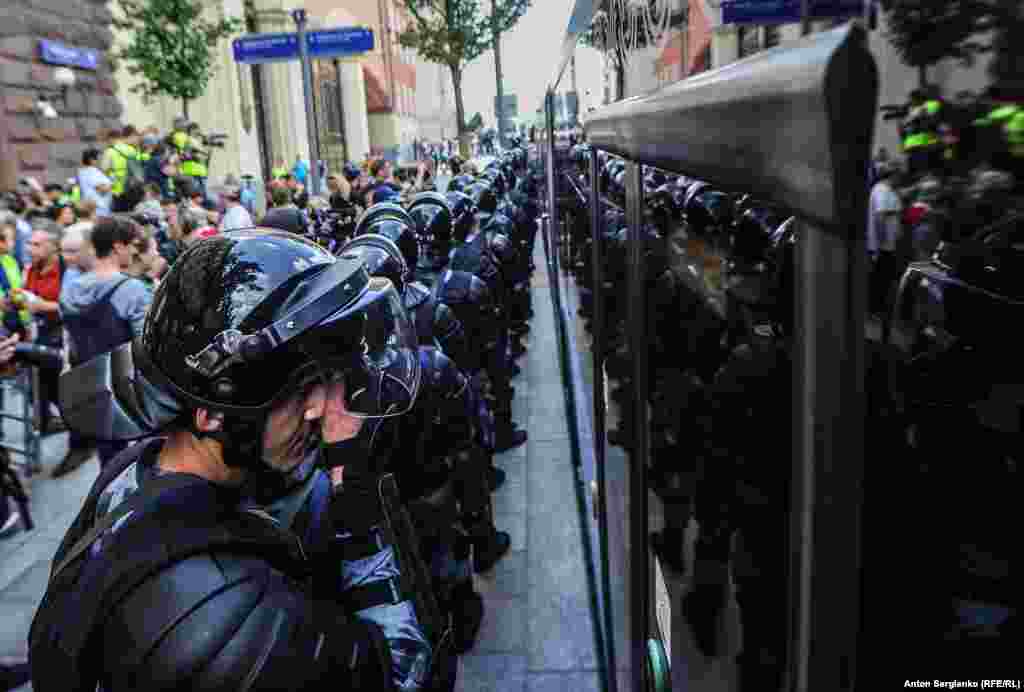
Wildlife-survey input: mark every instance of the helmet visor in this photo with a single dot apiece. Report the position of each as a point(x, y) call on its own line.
point(369, 342)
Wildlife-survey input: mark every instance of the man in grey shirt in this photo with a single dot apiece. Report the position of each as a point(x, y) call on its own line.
point(102, 309)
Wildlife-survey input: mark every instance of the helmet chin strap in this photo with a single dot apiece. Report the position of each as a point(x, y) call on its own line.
point(241, 442)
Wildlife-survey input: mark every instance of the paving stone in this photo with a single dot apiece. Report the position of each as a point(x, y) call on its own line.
point(508, 578)
point(562, 682)
point(559, 634)
point(504, 626)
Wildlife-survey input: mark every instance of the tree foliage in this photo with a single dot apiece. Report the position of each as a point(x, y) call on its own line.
point(172, 47)
point(452, 33)
point(447, 32)
point(507, 13)
point(925, 32)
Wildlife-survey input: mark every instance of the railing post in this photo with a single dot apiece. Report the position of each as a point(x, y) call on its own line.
point(598, 350)
point(637, 326)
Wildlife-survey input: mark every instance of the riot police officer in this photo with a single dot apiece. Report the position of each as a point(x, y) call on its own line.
point(260, 347)
point(484, 255)
point(436, 323)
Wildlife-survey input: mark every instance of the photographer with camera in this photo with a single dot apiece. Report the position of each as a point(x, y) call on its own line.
point(186, 140)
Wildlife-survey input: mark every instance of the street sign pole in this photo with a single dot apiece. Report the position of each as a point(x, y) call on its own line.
point(299, 15)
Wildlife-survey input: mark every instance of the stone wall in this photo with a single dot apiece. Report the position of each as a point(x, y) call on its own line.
point(50, 150)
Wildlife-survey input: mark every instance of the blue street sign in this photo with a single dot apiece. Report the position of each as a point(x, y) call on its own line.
point(56, 53)
point(787, 11)
point(327, 43)
point(339, 43)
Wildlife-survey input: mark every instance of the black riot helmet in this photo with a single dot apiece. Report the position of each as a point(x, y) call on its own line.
point(483, 197)
point(751, 237)
point(393, 222)
point(291, 219)
point(244, 323)
point(432, 223)
point(709, 211)
point(463, 214)
point(381, 257)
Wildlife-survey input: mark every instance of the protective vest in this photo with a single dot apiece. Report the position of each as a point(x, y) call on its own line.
point(12, 279)
point(919, 129)
point(436, 323)
point(278, 173)
point(119, 155)
point(473, 256)
point(186, 146)
point(1011, 119)
point(474, 308)
point(61, 638)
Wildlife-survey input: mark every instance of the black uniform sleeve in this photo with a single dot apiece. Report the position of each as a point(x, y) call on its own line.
point(231, 622)
point(450, 334)
point(457, 412)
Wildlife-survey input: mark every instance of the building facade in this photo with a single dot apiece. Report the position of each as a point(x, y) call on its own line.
point(38, 38)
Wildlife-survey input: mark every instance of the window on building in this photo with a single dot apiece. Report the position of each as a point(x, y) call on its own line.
point(771, 36)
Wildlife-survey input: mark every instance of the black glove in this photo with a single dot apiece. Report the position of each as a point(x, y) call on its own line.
point(355, 503)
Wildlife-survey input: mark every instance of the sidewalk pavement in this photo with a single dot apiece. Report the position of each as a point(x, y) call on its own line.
point(25, 556)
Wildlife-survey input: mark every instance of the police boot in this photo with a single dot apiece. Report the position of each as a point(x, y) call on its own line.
point(495, 478)
point(506, 435)
point(489, 544)
point(516, 347)
point(467, 612)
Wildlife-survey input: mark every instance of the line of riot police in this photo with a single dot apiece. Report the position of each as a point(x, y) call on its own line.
point(718, 277)
point(461, 263)
point(316, 428)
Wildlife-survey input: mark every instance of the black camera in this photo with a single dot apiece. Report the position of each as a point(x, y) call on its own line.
point(34, 354)
point(215, 139)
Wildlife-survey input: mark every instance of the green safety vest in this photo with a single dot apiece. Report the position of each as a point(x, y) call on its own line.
point(182, 142)
point(1011, 118)
point(10, 268)
point(278, 173)
point(119, 159)
point(918, 133)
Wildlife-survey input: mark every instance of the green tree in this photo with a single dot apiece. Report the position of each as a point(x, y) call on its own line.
point(505, 14)
point(172, 47)
point(453, 33)
point(475, 123)
point(925, 32)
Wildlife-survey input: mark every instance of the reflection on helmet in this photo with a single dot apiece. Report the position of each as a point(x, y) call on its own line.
point(393, 222)
point(381, 257)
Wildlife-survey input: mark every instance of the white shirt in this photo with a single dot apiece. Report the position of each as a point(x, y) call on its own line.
point(884, 227)
point(235, 216)
point(88, 179)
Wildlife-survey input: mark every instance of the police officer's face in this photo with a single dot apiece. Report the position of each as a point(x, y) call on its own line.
point(316, 413)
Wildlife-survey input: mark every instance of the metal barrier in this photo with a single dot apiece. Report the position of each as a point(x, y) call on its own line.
point(794, 126)
point(25, 381)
